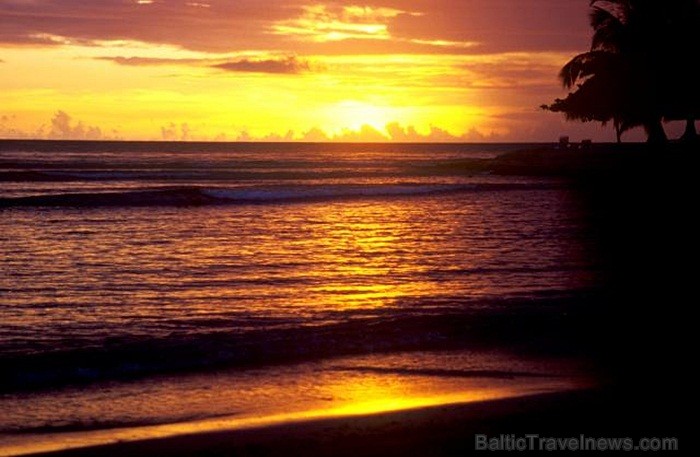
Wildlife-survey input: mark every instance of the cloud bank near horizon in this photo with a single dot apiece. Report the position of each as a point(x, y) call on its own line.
point(63, 126)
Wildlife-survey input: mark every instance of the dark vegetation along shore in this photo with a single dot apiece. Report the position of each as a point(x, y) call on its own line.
point(612, 161)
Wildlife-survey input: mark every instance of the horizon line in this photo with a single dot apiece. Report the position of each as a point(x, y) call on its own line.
point(388, 142)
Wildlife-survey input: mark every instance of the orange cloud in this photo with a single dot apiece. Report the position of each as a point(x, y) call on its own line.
point(289, 65)
point(314, 135)
point(8, 129)
point(137, 61)
point(175, 132)
point(323, 23)
point(274, 65)
point(62, 128)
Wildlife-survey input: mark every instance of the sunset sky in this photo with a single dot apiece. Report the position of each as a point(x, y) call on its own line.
point(435, 70)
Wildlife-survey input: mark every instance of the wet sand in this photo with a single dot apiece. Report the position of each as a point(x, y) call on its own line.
point(433, 431)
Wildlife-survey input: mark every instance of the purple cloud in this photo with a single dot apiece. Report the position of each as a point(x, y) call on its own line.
point(226, 26)
point(289, 65)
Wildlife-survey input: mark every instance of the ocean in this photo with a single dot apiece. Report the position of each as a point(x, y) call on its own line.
point(148, 285)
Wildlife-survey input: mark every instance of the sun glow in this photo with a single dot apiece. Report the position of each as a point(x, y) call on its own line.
point(306, 71)
point(355, 114)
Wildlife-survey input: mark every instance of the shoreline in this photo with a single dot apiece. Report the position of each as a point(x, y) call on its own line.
point(442, 393)
point(450, 426)
point(442, 430)
point(346, 387)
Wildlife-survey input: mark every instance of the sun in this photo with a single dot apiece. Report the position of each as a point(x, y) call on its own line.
point(351, 114)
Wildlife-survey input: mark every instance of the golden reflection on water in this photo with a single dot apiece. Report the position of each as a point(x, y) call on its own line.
point(283, 261)
point(374, 393)
point(369, 251)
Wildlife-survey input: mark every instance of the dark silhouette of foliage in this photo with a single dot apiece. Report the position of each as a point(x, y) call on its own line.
point(640, 69)
point(601, 92)
point(682, 91)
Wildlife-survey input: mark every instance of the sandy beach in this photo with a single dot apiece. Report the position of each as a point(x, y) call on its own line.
point(433, 431)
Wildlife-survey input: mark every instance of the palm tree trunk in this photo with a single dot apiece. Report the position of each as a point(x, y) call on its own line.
point(690, 135)
point(655, 132)
point(618, 131)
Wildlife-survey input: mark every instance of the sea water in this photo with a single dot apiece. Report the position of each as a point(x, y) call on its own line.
point(161, 283)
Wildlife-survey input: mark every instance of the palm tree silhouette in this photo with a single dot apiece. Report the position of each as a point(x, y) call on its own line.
point(682, 90)
point(639, 70)
point(601, 91)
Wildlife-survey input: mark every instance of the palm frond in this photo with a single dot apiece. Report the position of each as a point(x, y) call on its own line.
point(596, 99)
point(585, 65)
point(609, 33)
point(620, 9)
point(571, 72)
point(600, 16)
